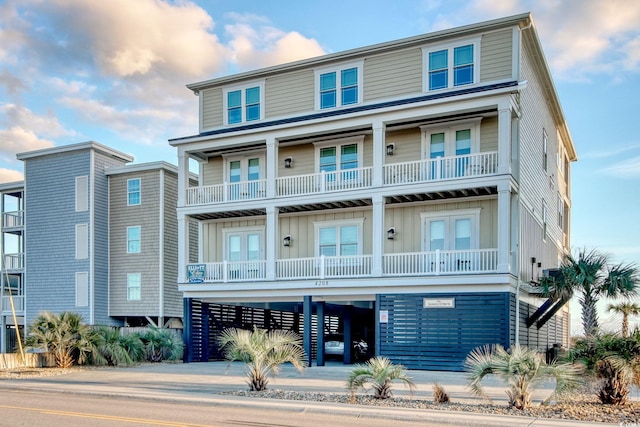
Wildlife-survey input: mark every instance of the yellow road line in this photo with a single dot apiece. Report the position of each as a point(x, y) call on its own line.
point(105, 417)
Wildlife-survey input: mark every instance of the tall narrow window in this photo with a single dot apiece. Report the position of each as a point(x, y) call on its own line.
point(133, 192)
point(245, 176)
point(560, 212)
point(133, 240)
point(544, 220)
point(454, 231)
point(82, 241)
point(82, 289)
point(338, 87)
point(82, 193)
point(339, 239)
point(134, 286)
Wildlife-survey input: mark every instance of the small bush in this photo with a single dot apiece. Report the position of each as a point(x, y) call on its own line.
point(439, 395)
point(162, 344)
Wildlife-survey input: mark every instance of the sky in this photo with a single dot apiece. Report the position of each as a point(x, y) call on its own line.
point(115, 72)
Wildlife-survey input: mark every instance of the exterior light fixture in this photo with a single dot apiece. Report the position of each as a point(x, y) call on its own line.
point(391, 233)
point(287, 240)
point(287, 162)
point(390, 148)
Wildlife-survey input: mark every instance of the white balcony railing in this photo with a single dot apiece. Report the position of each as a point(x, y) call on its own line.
point(13, 219)
point(227, 192)
point(441, 168)
point(324, 267)
point(13, 261)
point(18, 303)
point(347, 179)
point(441, 262)
point(474, 261)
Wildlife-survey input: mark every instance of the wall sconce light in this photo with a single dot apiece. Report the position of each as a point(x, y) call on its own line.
point(390, 148)
point(287, 240)
point(391, 233)
point(287, 162)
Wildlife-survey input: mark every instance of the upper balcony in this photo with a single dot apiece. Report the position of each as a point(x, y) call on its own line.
point(12, 220)
point(11, 304)
point(405, 173)
point(13, 262)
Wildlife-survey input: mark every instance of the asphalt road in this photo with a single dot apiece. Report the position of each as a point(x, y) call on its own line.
point(24, 408)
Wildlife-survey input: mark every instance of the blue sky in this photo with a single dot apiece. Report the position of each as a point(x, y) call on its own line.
point(115, 72)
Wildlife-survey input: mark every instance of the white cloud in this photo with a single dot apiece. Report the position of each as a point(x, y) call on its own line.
point(10, 175)
point(17, 140)
point(626, 169)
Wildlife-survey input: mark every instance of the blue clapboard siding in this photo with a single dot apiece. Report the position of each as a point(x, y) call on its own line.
point(441, 338)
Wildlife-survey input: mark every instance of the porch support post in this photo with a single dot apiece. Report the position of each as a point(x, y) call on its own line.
point(504, 138)
point(183, 247)
point(378, 236)
point(183, 177)
point(379, 151)
point(187, 331)
point(272, 166)
point(346, 322)
point(206, 345)
point(320, 333)
point(307, 310)
point(271, 242)
point(504, 223)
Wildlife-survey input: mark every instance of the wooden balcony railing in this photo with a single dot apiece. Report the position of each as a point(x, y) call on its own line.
point(474, 261)
point(441, 168)
point(12, 219)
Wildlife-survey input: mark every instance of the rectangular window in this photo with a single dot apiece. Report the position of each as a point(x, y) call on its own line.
point(455, 231)
point(243, 104)
point(451, 147)
point(339, 86)
point(544, 220)
point(133, 240)
point(560, 212)
point(134, 285)
point(133, 192)
point(82, 289)
point(82, 193)
point(82, 241)
point(246, 177)
point(343, 239)
point(451, 66)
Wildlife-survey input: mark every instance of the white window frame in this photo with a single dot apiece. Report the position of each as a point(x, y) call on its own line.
point(82, 193)
point(545, 225)
point(82, 289)
point(450, 216)
point(317, 225)
point(129, 193)
point(560, 212)
point(359, 140)
point(244, 159)
point(130, 288)
point(449, 129)
point(243, 102)
point(359, 65)
point(82, 241)
point(545, 150)
point(450, 47)
point(139, 241)
point(226, 232)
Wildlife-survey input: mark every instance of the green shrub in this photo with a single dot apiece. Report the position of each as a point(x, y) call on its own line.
point(380, 372)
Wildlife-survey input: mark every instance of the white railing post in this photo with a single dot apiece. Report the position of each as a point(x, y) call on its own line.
point(225, 271)
point(437, 262)
point(323, 181)
point(322, 264)
point(225, 191)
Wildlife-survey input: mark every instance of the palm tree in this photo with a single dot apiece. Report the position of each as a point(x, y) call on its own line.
point(592, 276)
point(64, 335)
point(626, 309)
point(114, 349)
point(521, 368)
point(380, 372)
point(162, 344)
point(263, 352)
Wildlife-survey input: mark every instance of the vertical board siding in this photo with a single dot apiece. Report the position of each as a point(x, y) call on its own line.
point(146, 262)
point(173, 306)
point(440, 338)
point(496, 55)
point(211, 109)
point(289, 93)
point(392, 75)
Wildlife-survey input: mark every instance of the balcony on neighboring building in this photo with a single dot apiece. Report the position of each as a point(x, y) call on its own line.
point(12, 303)
point(13, 262)
point(12, 219)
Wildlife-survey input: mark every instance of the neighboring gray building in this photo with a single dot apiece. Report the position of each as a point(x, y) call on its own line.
point(87, 232)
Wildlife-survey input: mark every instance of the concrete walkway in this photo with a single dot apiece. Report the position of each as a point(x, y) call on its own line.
point(201, 383)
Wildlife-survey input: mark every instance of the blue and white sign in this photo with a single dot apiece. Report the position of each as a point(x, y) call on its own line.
point(196, 273)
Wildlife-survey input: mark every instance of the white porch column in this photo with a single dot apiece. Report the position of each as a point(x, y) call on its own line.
point(183, 177)
point(271, 242)
point(378, 236)
point(378, 153)
point(183, 247)
point(504, 227)
point(504, 138)
point(272, 166)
